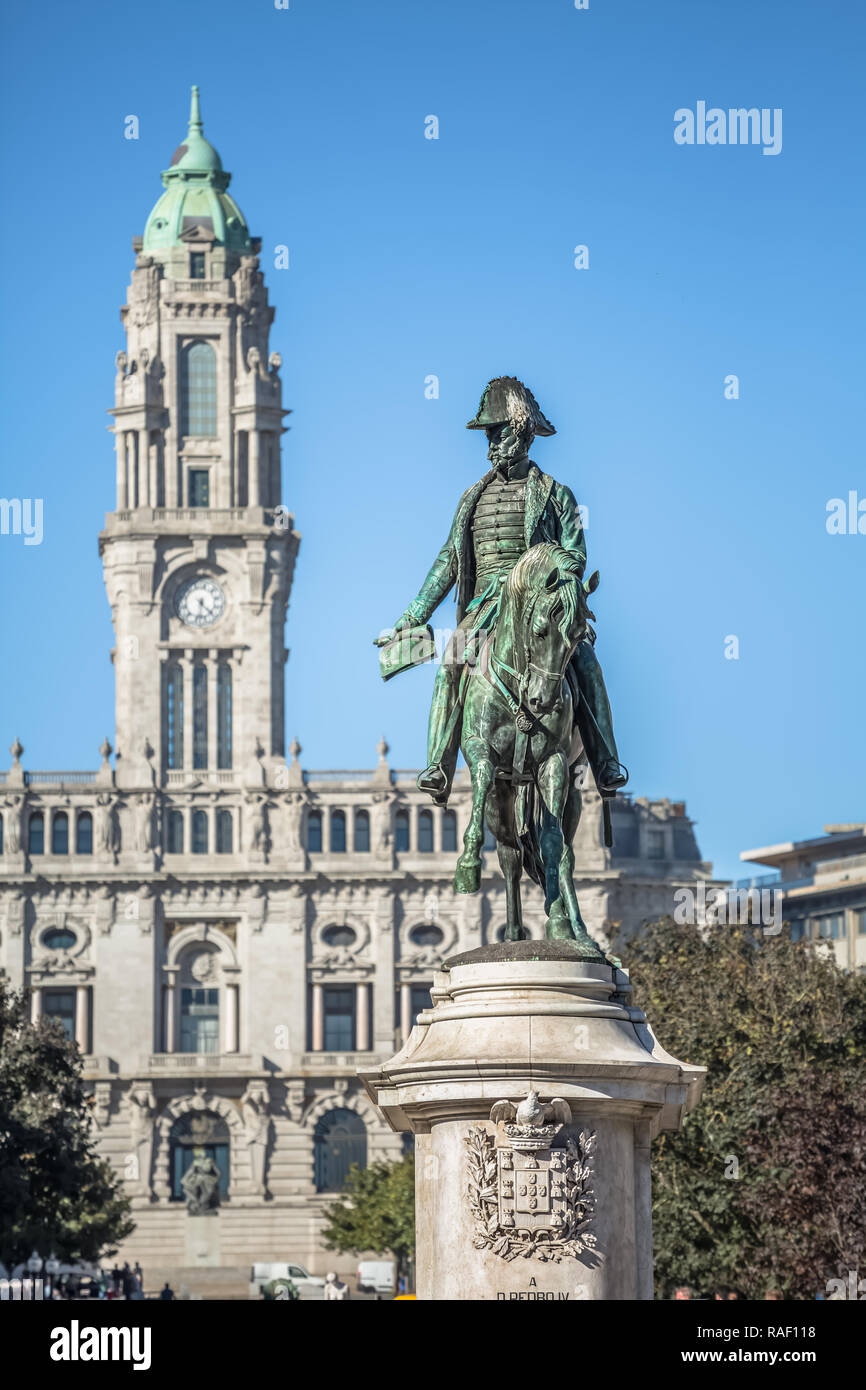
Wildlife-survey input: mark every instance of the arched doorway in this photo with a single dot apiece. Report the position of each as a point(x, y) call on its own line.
point(198, 1130)
point(340, 1140)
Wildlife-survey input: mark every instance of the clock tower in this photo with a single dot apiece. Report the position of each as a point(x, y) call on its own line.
point(199, 554)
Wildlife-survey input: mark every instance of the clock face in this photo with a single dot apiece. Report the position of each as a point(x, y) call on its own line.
point(200, 603)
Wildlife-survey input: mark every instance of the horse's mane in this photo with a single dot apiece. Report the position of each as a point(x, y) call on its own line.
point(530, 574)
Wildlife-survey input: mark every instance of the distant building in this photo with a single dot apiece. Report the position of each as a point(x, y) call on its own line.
point(823, 882)
point(230, 937)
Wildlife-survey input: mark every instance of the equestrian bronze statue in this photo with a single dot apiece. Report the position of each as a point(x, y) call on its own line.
point(519, 689)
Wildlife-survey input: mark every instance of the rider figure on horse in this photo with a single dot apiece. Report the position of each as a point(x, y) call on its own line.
point(512, 508)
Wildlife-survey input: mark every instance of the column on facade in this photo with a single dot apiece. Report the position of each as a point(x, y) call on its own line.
point(405, 1009)
point(230, 1036)
point(81, 1017)
point(362, 1016)
point(212, 671)
point(36, 1004)
point(318, 1017)
point(132, 462)
point(153, 469)
point(169, 1011)
point(254, 468)
point(120, 449)
point(188, 702)
point(143, 446)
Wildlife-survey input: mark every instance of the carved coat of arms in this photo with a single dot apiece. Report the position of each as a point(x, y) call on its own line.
point(531, 1194)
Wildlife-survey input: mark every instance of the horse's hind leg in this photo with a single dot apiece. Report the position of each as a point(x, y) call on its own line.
point(467, 875)
point(500, 818)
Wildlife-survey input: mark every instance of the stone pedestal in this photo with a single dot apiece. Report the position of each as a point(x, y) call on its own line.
point(203, 1239)
point(534, 1090)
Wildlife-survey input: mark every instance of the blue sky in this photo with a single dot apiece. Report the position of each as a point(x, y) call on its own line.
point(454, 257)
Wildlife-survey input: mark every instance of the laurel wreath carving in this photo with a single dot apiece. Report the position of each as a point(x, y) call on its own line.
point(569, 1238)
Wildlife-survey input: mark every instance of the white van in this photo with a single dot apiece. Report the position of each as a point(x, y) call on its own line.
point(377, 1276)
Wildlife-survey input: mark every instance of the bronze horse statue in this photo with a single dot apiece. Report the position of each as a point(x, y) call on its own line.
point(520, 741)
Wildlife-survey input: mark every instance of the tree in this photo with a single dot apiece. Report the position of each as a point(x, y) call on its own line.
point(55, 1193)
point(763, 1185)
point(375, 1211)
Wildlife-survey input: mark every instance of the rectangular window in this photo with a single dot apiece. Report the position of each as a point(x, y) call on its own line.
point(174, 717)
point(224, 715)
point(655, 844)
point(199, 716)
point(197, 265)
point(199, 1020)
point(339, 1009)
point(60, 1004)
point(831, 927)
point(199, 487)
point(861, 922)
point(420, 997)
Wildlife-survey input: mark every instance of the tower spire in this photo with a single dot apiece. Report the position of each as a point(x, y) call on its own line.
point(195, 122)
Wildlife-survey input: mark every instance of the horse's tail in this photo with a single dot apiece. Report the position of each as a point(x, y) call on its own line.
point(529, 812)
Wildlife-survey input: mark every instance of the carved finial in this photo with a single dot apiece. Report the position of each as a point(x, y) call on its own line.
point(16, 749)
point(105, 750)
point(195, 122)
point(382, 749)
point(295, 749)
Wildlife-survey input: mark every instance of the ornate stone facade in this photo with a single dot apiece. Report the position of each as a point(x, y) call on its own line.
point(226, 934)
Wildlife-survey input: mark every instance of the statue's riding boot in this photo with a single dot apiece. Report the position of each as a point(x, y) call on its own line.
point(595, 722)
point(443, 734)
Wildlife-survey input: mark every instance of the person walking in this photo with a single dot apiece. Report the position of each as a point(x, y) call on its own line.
point(166, 1293)
point(335, 1288)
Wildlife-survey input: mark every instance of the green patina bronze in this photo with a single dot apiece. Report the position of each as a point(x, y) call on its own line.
point(519, 690)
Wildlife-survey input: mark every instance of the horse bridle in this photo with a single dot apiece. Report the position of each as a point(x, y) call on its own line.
point(524, 720)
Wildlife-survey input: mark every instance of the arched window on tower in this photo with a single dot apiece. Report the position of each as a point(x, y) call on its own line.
point(60, 833)
point(174, 835)
point(199, 715)
point(174, 716)
point(199, 832)
point(338, 832)
point(224, 832)
point(36, 833)
point(449, 831)
point(224, 715)
point(84, 833)
point(314, 832)
point(340, 1140)
point(361, 838)
point(198, 389)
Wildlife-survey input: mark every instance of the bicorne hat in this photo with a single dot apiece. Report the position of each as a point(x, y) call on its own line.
point(505, 400)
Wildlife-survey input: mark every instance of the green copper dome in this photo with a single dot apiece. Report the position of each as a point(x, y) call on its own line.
point(195, 196)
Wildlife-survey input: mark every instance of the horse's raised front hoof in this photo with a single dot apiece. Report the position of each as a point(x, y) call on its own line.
point(467, 876)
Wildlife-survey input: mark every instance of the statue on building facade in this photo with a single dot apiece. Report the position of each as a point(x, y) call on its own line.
point(519, 689)
point(201, 1184)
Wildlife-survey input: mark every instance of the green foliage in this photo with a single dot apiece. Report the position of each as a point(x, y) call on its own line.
point(55, 1193)
point(783, 1033)
point(375, 1211)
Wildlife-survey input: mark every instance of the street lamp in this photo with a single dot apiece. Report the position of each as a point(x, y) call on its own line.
point(52, 1269)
